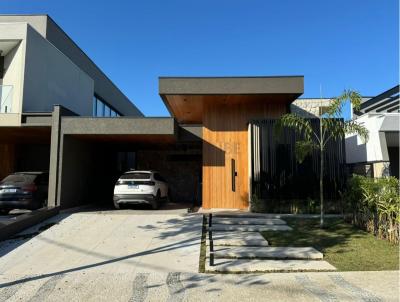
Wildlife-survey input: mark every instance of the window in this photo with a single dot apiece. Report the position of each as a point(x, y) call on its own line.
point(94, 106)
point(158, 177)
point(135, 175)
point(107, 111)
point(101, 109)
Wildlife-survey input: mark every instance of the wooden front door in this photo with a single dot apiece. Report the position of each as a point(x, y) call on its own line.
point(225, 164)
point(225, 149)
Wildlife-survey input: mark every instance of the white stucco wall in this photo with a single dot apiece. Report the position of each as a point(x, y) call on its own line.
point(13, 77)
point(52, 78)
point(375, 150)
point(14, 61)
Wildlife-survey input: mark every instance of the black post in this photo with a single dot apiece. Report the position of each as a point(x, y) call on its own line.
point(210, 238)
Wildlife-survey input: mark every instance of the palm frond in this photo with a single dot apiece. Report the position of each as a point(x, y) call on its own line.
point(304, 148)
point(352, 127)
point(297, 123)
point(336, 105)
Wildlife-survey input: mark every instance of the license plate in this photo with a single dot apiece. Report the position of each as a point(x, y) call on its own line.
point(9, 190)
point(133, 187)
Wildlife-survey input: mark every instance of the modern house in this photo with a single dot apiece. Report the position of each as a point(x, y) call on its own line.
point(380, 155)
point(59, 112)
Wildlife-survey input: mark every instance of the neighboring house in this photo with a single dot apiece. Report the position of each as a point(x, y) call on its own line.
point(380, 155)
point(59, 112)
point(310, 108)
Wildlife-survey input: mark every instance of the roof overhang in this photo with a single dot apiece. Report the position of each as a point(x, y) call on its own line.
point(185, 96)
point(122, 129)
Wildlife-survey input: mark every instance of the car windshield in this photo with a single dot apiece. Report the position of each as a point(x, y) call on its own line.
point(136, 175)
point(20, 178)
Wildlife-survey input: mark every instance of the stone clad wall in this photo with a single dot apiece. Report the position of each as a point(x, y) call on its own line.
point(180, 166)
point(308, 107)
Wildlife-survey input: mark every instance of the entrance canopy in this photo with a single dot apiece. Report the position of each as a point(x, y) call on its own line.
point(185, 97)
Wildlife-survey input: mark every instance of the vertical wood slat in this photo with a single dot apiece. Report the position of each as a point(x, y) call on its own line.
point(225, 136)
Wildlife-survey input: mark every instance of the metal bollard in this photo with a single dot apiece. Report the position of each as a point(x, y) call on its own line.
point(211, 241)
point(211, 251)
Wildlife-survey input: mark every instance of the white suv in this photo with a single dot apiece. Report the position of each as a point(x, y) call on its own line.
point(138, 187)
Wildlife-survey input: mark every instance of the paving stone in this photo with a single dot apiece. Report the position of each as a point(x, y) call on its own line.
point(250, 228)
point(245, 215)
point(271, 252)
point(267, 266)
point(248, 221)
point(238, 239)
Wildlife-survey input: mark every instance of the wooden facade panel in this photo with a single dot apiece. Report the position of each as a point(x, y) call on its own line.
point(225, 137)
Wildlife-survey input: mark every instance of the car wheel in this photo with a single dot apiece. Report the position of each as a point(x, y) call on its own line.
point(116, 205)
point(156, 203)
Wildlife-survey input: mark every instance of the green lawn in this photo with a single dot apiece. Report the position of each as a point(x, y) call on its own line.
point(343, 245)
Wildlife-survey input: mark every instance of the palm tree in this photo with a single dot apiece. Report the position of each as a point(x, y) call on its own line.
point(331, 126)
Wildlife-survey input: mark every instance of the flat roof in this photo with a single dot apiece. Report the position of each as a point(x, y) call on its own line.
point(232, 85)
point(184, 96)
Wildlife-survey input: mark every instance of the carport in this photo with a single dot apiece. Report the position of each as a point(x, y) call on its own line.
point(94, 152)
point(25, 148)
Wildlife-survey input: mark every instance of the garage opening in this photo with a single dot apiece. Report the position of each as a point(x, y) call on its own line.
point(92, 164)
point(25, 149)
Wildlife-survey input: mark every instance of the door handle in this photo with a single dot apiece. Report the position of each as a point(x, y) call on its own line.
point(233, 174)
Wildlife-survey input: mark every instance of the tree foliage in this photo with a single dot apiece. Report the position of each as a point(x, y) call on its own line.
point(331, 127)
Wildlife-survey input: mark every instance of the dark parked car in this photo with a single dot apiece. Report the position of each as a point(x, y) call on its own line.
point(23, 190)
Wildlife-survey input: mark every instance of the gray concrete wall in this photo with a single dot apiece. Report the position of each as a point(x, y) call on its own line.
point(121, 125)
point(190, 132)
point(52, 78)
point(232, 85)
point(56, 153)
point(75, 175)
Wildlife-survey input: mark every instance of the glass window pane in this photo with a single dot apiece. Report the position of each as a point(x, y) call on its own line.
point(94, 106)
point(107, 111)
point(100, 108)
point(113, 113)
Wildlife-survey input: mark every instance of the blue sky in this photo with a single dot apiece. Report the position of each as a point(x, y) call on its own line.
point(337, 44)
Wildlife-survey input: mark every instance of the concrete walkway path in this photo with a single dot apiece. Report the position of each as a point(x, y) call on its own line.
point(267, 252)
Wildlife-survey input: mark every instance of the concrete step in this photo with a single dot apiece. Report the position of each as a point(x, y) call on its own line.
point(268, 252)
point(249, 228)
point(238, 239)
point(267, 266)
point(245, 215)
point(247, 221)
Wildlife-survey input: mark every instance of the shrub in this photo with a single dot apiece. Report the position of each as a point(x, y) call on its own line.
point(375, 205)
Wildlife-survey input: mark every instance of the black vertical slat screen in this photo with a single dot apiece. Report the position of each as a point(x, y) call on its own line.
point(277, 175)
